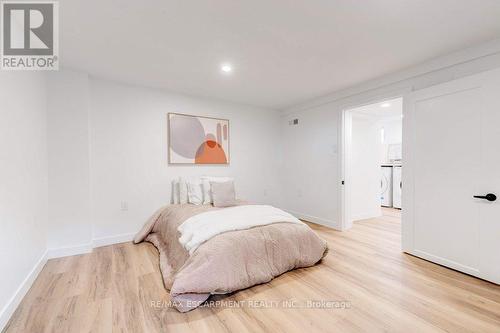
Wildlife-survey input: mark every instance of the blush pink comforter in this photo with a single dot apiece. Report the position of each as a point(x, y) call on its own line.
point(229, 261)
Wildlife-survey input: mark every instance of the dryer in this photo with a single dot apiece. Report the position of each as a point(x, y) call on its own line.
point(397, 186)
point(386, 186)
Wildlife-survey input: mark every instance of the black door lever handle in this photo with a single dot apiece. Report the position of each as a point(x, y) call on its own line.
point(489, 197)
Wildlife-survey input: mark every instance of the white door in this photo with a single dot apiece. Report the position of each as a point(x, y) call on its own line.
point(452, 153)
point(396, 187)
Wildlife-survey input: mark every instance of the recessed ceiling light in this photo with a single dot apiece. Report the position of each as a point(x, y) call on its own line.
point(385, 105)
point(226, 68)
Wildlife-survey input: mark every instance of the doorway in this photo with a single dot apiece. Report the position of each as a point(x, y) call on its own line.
point(372, 161)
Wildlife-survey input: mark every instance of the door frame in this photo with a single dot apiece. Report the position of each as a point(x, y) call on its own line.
point(345, 138)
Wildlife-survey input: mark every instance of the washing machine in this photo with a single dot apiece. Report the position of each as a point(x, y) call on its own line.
point(397, 186)
point(386, 186)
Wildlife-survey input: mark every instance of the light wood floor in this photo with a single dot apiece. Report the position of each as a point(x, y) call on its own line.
point(112, 290)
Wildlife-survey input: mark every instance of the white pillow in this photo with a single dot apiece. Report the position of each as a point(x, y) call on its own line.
point(175, 191)
point(223, 194)
point(183, 192)
point(207, 197)
point(207, 191)
point(194, 191)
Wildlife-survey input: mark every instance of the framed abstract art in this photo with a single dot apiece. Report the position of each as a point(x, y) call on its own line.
point(197, 140)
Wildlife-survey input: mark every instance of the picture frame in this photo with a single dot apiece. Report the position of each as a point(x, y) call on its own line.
point(198, 140)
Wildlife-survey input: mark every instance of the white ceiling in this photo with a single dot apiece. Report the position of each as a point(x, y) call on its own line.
point(283, 52)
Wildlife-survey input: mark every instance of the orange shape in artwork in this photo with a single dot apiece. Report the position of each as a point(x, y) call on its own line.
point(210, 152)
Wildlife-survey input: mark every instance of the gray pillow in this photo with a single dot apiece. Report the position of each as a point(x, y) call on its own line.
point(223, 194)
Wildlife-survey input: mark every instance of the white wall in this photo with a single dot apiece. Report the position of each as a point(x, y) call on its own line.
point(108, 146)
point(309, 165)
point(129, 153)
point(393, 130)
point(69, 160)
point(23, 184)
point(365, 167)
point(312, 172)
point(72, 149)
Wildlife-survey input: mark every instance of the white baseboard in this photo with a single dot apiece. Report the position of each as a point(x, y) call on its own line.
point(14, 302)
point(315, 219)
point(18, 296)
point(87, 248)
point(69, 251)
point(104, 241)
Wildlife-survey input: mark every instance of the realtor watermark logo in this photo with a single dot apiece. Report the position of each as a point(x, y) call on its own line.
point(30, 35)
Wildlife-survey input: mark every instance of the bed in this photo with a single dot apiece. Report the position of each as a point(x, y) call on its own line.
point(206, 250)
